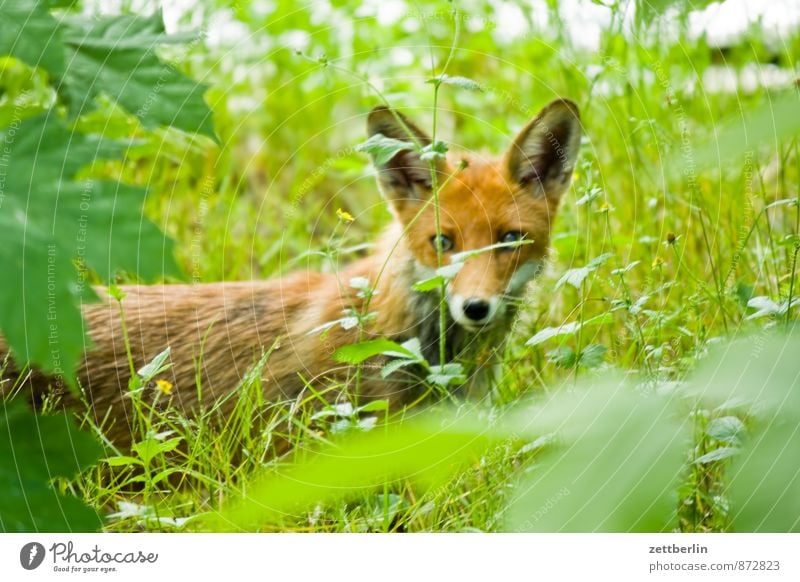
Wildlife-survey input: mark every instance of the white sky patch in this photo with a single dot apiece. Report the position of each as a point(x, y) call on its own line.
point(391, 11)
point(749, 79)
point(298, 40)
point(386, 12)
point(225, 30)
point(724, 22)
point(511, 22)
point(402, 56)
point(176, 12)
point(585, 22)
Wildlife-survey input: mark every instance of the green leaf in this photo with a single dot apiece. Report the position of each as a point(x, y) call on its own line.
point(154, 367)
point(623, 447)
point(119, 236)
point(414, 346)
point(47, 221)
point(576, 276)
point(374, 406)
point(442, 276)
point(34, 450)
point(122, 461)
point(151, 447)
point(429, 284)
point(761, 375)
point(460, 82)
point(428, 450)
point(550, 332)
point(434, 151)
point(39, 291)
point(383, 149)
point(768, 125)
point(393, 365)
point(782, 202)
point(567, 329)
point(626, 268)
point(744, 292)
point(444, 376)
point(124, 31)
point(719, 454)
point(466, 255)
point(765, 478)
point(790, 240)
point(116, 56)
point(562, 356)
point(591, 195)
point(599, 261)
point(592, 356)
point(726, 429)
point(357, 353)
point(29, 33)
point(617, 460)
point(448, 272)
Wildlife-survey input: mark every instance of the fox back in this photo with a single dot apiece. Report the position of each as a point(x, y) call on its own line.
point(491, 227)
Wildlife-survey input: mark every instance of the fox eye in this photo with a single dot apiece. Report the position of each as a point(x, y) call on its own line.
point(442, 242)
point(511, 236)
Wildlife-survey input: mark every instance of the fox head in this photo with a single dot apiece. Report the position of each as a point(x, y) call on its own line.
point(482, 203)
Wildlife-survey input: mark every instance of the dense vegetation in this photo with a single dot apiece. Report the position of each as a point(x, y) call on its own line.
point(621, 405)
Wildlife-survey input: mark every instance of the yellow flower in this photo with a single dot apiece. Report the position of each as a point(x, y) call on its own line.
point(344, 216)
point(605, 207)
point(164, 386)
point(657, 262)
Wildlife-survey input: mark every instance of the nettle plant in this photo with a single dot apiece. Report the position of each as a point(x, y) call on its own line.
point(60, 227)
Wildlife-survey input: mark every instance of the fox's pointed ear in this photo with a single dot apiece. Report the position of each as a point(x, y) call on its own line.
point(543, 155)
point(405, 177)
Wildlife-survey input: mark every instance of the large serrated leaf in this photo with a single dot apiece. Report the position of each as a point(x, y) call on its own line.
point(116, 56)
point(29, 33)
point(33, 451)
point(47, 221)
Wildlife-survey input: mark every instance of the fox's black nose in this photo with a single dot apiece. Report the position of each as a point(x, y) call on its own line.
point(476, 309)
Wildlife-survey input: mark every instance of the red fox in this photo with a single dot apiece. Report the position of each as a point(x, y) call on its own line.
point(216, 332)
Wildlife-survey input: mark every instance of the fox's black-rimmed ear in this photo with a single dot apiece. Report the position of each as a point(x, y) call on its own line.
point(544, 153)
point(405, 177)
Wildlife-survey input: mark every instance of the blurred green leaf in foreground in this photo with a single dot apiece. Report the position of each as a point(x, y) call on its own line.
point(612, 457)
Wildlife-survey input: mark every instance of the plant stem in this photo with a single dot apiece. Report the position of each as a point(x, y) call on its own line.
point(793, 274)
point(435, 194)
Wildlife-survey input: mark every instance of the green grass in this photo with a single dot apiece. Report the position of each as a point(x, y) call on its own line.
point(690, 240)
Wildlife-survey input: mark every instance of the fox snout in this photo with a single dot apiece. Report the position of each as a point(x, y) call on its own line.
point(473, 312)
